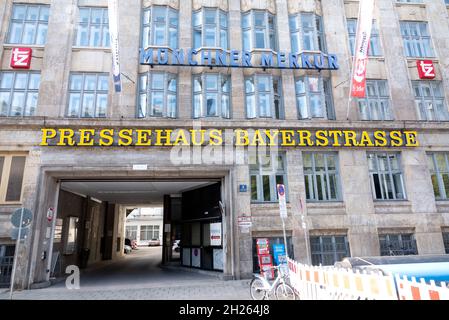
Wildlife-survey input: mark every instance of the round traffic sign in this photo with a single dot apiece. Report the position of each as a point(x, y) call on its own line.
point(26, 219)
point(281, 189)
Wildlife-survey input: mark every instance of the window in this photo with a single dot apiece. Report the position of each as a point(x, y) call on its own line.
point(28, 24)
point(266, 171)
point(271, 241)
point(429, 100)
point(131, 232)
point(258, 29)
point(149, 232)
point(19, 93)
point(326, 250)
point(88, 95)
point(6, 263)
point(314, 98)
point(160, 27)
point(386, 176)
point(446, 241)
point(11, 177)
point(157, 95)
point(211, 95)
point(210, 28)
point(416, 39)
point(439, 171)
point(376, 104)
point(306, 32)
point(397, 244)
point(374, 45)
point(321, 176)
point(92, 28)
point(263, 97)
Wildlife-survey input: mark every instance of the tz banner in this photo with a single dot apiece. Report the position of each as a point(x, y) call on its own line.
point(365, 20)
point(113, 33)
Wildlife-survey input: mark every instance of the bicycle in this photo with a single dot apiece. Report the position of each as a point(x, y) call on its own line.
point(260, 287)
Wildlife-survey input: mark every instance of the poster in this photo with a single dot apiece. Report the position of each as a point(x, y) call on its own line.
point(215, 234)
point(196, 257)
point(218, 259)
point(186, 257)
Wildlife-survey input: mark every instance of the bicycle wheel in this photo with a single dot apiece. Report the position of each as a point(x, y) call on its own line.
point(257, 289)
point(285, 292)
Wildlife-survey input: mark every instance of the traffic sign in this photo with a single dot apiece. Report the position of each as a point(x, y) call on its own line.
point(282, 201)
point(26, 219)
point(23, 233)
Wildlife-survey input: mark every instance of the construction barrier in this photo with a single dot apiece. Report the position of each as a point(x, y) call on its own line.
point(330, 283)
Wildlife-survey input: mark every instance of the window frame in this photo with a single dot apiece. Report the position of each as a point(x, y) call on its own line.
point(322, 252)
point(374, 38)
point(259, 172)
point(104, 28)
point(221, 113)
point(436, 170)
point(313, 175)
point(390, 172)
point(82, 92)
point(218, 27)
point(326, 97)
point(147, 40)
point(5, 176)
point(149, 113)
point(25, 21)
point(445, 235)
point(417, 41)
point(298, 33)
point(257, 93)
point(424, 100)
point(267, 30)
point(26, 91)
point(386, 112)
point(400, 243)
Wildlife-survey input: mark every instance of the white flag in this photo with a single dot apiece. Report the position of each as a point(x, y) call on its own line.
point(364, 24)
point(113, 34)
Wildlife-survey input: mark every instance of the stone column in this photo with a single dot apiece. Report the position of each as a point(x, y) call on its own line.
point(185, 73)
point(124, 104)
point(358, 199)
point(242, 206)
point(238, 83)
point(57, 59)
point(420, 193)
point(296, 195)
point(288, 85)
point(438, 26)
point(395, 61)
point(5, 8)
point(337, 43)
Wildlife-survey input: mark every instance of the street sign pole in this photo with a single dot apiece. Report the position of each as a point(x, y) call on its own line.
point(283, 212)
point(16, 254)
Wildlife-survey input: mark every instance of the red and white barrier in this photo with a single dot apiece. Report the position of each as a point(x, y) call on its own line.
point(318, 283)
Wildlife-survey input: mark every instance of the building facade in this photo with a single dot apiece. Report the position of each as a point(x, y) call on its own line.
point(144, 224)
point(358, 201)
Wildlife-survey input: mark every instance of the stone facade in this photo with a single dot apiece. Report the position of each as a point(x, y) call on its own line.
point(357, 215)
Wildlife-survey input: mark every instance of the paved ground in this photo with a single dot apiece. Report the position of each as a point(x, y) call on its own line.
point(138, 277)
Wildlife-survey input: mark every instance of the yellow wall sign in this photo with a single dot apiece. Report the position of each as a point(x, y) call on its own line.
point(216, 137)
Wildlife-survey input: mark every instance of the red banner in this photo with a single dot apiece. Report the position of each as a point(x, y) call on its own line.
point(364, 24)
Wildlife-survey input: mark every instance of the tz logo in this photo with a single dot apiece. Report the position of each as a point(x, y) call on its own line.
point(21, 58)
point(426, 69)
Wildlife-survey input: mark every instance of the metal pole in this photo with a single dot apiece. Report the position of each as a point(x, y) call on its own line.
point(285, 237)
point(16, 255)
